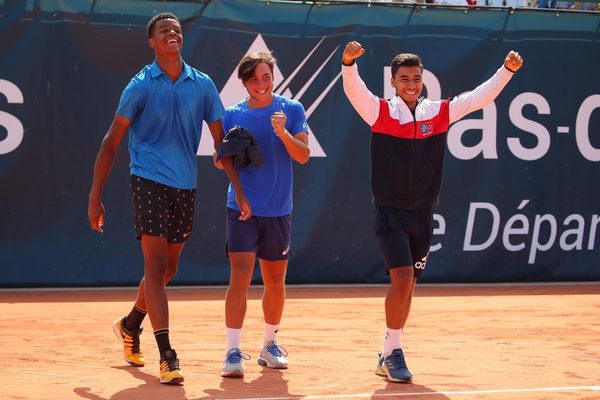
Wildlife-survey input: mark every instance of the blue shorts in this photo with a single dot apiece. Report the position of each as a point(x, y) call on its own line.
point(268, 237)
point(162, 210)
point(404, 236)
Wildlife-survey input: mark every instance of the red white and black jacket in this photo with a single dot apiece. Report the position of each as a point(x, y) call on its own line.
point(407, 150)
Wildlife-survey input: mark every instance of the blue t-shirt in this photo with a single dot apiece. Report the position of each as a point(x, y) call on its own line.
point(166, 123)
point(268, 187)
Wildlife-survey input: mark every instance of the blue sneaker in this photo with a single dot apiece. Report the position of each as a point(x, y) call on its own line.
point(232, 367)
point(379, 370)
point(394, 367)
point(273, 356)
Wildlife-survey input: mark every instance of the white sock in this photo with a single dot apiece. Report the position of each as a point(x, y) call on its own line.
point(270, 333)
point(392, 341)
point(233, 338)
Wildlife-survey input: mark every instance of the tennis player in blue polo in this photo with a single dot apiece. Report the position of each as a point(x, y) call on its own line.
point(162, 108)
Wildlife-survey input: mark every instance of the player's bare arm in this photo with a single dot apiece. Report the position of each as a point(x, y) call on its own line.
point(104, 162)
point(296, 145)
point(216, 130)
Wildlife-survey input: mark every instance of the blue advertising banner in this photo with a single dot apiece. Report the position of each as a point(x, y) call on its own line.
point(519, 197)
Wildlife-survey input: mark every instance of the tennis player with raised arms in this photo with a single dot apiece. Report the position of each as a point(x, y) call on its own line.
point(408, 143)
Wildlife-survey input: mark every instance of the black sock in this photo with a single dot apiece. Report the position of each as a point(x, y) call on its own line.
point(134, 319)
point(162, 339)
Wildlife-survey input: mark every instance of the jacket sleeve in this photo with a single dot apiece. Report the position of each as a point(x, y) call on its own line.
point(481, 96)
point(363, 101)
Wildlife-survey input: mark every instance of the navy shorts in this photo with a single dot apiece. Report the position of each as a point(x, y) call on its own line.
point(268, 237)
point(404, 236)
point(162, 210)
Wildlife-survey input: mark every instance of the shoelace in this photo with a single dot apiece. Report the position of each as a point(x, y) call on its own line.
point(277, 350)
point(396, 359)
point(236, 356)
point(170, 364)
point(133, 343)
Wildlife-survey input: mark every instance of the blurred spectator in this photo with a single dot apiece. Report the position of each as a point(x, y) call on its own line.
point(507, 3)
point(452, 2)
point(554, 4)
point(586, 6)
point(558, 4)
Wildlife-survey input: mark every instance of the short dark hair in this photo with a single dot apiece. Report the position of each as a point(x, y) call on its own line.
point(250, 61)
point(406, 60)
point(158, 17)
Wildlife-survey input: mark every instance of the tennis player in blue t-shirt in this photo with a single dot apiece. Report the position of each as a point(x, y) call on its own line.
point(280, 129)
point(162, 108)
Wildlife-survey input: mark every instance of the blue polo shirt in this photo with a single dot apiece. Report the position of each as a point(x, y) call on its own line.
point(268, 186)
point(166, 123)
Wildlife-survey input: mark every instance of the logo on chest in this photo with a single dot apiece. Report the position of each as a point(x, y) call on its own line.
point(426, 128)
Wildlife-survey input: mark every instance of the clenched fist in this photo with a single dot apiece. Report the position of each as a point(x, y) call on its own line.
point(513, 61)
point(278, 120)
point(352, 51)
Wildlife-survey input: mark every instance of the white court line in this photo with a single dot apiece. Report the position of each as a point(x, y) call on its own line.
point(375, 395)
point(406, 394)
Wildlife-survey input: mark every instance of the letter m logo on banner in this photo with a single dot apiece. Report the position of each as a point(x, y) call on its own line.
point(233, 92)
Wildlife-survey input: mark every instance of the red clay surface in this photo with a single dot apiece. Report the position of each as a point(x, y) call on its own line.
point(539, 342)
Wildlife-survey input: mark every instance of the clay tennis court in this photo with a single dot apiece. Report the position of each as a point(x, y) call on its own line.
point(486, 342)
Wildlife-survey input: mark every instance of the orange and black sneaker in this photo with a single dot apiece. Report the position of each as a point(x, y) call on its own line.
point(131, 343)
point(170, 372)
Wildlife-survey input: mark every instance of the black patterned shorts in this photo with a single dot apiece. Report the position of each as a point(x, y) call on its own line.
point(161, 210)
